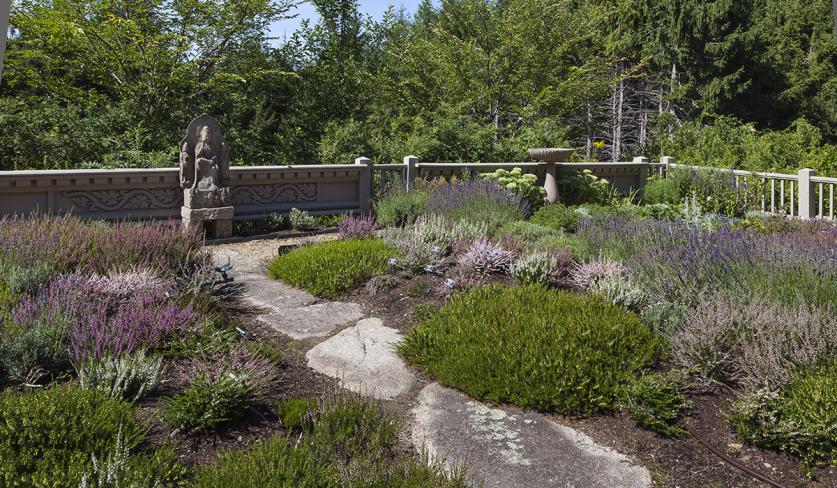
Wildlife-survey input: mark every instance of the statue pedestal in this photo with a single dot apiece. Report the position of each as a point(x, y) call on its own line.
point(217, 220)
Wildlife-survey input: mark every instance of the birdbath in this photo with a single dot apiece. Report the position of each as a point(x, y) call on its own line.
point(551, 155)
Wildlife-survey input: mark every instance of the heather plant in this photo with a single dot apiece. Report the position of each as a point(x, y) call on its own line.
point(47, 436)
point(127, 284)
point(469, 230)
point(207, 403)
point(751, 341)
point(71, 244)
point(276, 462)
point(532, 346)
point(664, 317)
point(800, 419)
point(540, 267)
point(331, 269)
point(477, 200)
point(301, 220)
point(25, 279)
point(460, 279)
point(485, 257)
point(425, 243)
point(241, 363)
point(526, 231)
point(357, 227)
point(36, 349)
point(381, 283)
point(296, 412)
point(656, 401)
point(143, 322)
point(620, 290)
point(585, 275)
point(129, 377)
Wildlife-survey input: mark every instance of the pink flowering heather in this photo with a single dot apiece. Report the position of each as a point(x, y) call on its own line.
point(127, 284)
point(357, 227)
point(485, 257)
point(586, 274)
point(258, 372)
point(71, 244)
point(142, 322)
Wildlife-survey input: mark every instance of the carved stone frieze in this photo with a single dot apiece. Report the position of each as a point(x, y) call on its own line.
point(116, 200)
point(277, 193)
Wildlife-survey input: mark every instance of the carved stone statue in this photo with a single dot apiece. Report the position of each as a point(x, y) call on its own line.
point(204, 177)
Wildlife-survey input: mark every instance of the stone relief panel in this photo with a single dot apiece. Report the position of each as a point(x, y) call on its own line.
point(116, 200)
point(277, 193)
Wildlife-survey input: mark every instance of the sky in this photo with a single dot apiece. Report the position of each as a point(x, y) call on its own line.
point(306, 10)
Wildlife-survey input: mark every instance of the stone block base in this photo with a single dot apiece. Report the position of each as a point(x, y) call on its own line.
point(216, 221)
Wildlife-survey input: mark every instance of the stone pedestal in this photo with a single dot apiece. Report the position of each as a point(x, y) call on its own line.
point(217, 221)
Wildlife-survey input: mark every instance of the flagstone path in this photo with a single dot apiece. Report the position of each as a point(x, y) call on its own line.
point(501, 446)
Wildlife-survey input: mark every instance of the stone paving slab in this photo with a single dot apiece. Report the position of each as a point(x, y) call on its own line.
point(364, 359)
point(313, 320)
point(288, 310)
point(506, 447)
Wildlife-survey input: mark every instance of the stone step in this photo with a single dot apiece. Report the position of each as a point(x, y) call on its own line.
point(364, 359)
point(507, 447)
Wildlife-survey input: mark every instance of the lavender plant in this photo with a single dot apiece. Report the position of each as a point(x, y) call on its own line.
point(477, 200)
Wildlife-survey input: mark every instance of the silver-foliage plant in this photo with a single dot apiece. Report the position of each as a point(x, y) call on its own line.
point(584, 275)
point(538, 267)
point(129, 377)
point(301, 220)
point(621, 290)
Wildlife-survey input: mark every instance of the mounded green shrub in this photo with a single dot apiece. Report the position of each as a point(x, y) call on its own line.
point(401, 207)
point(526, 231)
point(533, 347)
point(270, 464)
point(800, 420)
point(556, 216)
point(207, 403)
point(293, 412)
point(47, 437)
point(662, 190)
point(655, 401)
point(330, 269)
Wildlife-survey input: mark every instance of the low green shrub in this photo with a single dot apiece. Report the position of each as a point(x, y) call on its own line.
point(419, 287)
point(47, 437)
point(206, 404)
point(579, 248)
point(655, 401)
point(401, 207)
point(424, 311)
point(330, 269)
point(533, 347)
point(557, 216)
point(347, 425)
point(274, 463)
point(295, 412)
point(526, 231)
point(129, 377)
point(662, 190)
point(381, 283)
point(800, 420)
point(664, 317)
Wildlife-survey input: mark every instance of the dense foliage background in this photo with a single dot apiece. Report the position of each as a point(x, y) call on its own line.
point(112, 83)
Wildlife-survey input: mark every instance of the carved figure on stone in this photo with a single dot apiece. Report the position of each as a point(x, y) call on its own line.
point(205, 179)
point(204, 165)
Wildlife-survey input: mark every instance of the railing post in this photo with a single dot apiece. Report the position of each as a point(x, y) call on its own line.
point(806, 194)
point(666, 162)
point(411, 173)
point(643, 173)
point(364, 191)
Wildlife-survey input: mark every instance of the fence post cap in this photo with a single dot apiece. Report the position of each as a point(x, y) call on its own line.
point(807, 171)
point(641, 159)
point(411, 159)
point(363, 160)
